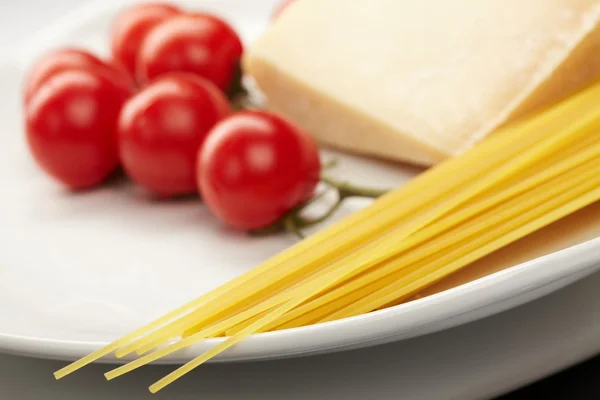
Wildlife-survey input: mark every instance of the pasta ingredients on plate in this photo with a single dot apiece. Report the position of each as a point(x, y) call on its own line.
point(511, 185)
point(434, 101)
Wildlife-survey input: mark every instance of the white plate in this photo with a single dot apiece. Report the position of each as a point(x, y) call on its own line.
point(81, 270)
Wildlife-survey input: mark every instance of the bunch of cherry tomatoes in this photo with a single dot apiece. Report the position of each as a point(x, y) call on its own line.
point(159, 111)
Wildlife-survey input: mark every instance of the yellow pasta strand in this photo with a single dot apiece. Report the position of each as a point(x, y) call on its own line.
point(458, 197)
point(436, 244)
point(384, 248)
point(545, 147)
point(432, 252)
point(544, 216)
point(316, 286)
point(297, 297)
point(173, 376)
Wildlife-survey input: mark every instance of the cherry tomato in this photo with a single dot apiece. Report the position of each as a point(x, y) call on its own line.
point(71, 126)
point(256, 166)
point(282, 6)
point(131, 28)
point(162, 127)
point(201, 44)
point(67, 59)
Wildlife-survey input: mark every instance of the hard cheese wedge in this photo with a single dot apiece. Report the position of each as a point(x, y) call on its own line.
point(422, 80)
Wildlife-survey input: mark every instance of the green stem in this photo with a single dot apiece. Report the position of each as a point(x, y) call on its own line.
point(277, 227)
point(346, 189)
point(330, 164)
point(291, 226)
point(306, 222)
point(237, 92)
point(293, 222)
point(315, 198)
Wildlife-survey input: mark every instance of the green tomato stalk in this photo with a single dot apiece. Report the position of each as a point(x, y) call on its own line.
point(294, 222)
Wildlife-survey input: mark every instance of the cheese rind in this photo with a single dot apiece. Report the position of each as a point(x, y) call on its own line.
point(421, 80)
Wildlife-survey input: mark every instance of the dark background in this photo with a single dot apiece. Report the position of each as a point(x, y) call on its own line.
point(577, 383)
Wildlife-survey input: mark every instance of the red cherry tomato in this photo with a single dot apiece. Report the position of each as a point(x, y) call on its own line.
point(282, 6)
point(162, 127)
point(201, 44)
point(67, 59)
point(131, 28)
point(254, 167)
point(71, 126)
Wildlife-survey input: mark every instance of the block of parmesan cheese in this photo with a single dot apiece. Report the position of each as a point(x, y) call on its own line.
point(422, 80)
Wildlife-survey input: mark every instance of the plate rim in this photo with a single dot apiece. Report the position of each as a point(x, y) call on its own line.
point(450, 302)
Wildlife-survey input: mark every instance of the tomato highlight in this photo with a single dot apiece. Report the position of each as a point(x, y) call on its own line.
point(162, 127)
point(255, 167)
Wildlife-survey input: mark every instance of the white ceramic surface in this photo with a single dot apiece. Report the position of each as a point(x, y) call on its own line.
point(79, 271)
point(475, 361)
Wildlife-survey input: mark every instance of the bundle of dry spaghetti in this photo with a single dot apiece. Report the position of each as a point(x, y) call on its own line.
point(522, 179)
